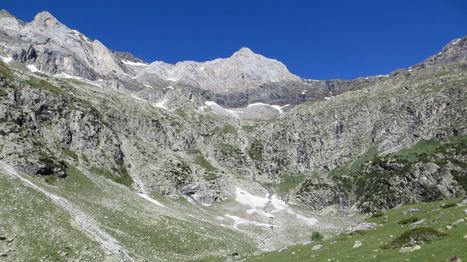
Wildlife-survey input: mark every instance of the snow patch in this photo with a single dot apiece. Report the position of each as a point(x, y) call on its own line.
point(259, 212)
point(277, 107)
point(245, 198)
point(173, 79)
point(161, 104)
point(148, 86)
point(327, 98)
point(130, 63)
point(78, 34)
point(65, 75)
point(136, 97)
point(257, 203)
point(171, 87)
point(32, 68)
point(150, 199)
point(456, 41)
point(240, 221)
point(6, 59)
point(68, 76)
point(220, 110)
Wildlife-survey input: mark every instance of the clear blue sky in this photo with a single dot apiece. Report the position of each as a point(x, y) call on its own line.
point(315, 39)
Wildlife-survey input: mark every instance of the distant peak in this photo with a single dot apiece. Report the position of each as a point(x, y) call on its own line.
point(5, 13)
point(244, 51)
point(45, 18)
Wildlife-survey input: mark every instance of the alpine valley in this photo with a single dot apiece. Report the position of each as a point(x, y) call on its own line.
point(104, 157)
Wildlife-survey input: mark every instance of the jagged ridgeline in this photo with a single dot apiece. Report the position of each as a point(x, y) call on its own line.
point(105, 156)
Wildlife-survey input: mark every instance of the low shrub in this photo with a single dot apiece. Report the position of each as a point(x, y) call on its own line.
point(449, 205)
point(416, 235)
point(409, 220)
point(378, 214)
point(316, 236)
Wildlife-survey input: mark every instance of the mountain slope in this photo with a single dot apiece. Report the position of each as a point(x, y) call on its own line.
point(146, 167)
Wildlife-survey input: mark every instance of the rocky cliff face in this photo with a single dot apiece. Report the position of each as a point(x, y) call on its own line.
point(54, 48)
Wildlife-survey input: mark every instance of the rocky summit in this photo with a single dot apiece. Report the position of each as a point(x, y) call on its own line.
point(104, 157)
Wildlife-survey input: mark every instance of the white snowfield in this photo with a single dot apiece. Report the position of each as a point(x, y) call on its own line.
point(220, 110)
point(6, 59)
point(241, 112)
point(162, 104)
point(32, 68)
point(274, 203)
point(68, 76)
point(239, 221)
point(277, 107)
point(136, 97)
point(130, 63)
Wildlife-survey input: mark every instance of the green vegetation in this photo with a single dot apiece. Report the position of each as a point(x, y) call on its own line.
point(316, 236)
point(378, 214)
point(229, 150)
point(5, 71)
point(413, 154)
point(226, 129)
point(180, 112)
point(70, 153)
point(255, 151)
point(121, 176)
point(416, 235)
point(354, 167)
point(368, 176)
point(449, 205)
point(42, 84)
point(201, 161)
point(289, 181)
point(50, 165)
point(50, 179)
point(145, 231)
point(249, 128)
point(38, 229)
point(409, 220)
point(439, 243)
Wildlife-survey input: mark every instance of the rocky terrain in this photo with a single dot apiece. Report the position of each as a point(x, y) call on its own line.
point(214, 158)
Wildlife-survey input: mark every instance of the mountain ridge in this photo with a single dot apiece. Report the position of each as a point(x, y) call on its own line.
point(239, 80)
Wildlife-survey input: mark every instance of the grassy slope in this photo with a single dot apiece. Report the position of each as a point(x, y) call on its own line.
point(145, 230)
point(341, 248)
point(39, 229)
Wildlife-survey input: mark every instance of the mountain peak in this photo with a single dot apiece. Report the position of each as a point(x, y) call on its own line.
point(4, 13)
point(244, 51)
point(46, 19)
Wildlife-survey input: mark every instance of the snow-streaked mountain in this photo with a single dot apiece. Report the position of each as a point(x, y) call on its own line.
point(243, 70)
point(54, 48)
